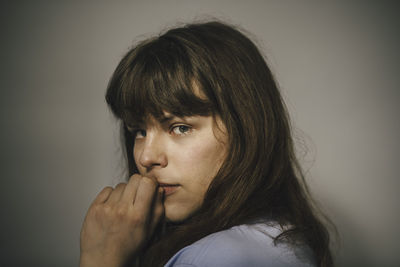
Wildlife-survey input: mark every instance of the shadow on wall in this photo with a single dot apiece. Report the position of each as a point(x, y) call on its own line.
point(351, 248)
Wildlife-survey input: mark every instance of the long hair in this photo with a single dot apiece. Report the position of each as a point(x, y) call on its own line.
point(260, 177)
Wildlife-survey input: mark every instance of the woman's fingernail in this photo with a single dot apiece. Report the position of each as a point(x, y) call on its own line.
point(160, 190)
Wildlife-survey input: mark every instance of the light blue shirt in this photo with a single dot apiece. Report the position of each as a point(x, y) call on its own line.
point(242, 246)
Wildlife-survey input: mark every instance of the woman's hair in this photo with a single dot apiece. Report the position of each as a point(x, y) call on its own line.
point(213, 69)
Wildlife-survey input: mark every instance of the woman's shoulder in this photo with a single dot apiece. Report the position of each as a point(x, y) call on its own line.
point(243, 245)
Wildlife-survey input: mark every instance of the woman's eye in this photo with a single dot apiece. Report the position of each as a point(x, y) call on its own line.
point(181, 129)
point(139, 134)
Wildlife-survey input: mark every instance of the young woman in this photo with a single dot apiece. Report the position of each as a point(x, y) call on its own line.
point(213, 179)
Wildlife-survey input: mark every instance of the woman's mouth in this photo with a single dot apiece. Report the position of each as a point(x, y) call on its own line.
point(169, 188)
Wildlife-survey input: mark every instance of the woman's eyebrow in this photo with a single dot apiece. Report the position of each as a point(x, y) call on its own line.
point(131, 126)
point(166, 118)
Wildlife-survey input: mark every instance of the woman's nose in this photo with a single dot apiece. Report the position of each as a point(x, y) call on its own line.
point(153, 152)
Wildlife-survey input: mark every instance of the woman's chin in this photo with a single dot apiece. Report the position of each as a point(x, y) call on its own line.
point(178, 215)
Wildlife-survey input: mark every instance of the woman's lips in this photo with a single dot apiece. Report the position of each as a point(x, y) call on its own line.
point(169, 188)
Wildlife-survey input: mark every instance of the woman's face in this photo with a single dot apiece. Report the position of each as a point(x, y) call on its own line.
point(183, 155)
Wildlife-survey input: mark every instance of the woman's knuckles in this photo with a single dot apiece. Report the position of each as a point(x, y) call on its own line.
point(122, 213)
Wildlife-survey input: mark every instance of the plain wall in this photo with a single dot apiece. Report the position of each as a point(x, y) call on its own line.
point(337, 64)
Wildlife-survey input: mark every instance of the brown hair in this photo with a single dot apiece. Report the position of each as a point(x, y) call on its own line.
point(260, 177)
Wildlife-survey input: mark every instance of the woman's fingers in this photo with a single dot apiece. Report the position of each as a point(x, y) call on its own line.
point(139, 203)
point(116, 194)
point(103, 195)
point(145, 195)
point(131, 188)
point(122, 218)
point(128, 192)
point(158, 209)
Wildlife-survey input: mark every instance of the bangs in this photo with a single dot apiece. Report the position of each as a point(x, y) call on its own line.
point(156, 77)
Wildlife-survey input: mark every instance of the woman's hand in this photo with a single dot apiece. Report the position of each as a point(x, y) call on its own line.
point(120, 221)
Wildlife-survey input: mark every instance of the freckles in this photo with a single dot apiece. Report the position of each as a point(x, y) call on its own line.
point(203, 160)
point(198, 153)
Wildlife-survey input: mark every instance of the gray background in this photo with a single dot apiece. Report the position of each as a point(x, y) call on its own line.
point(337, 64)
